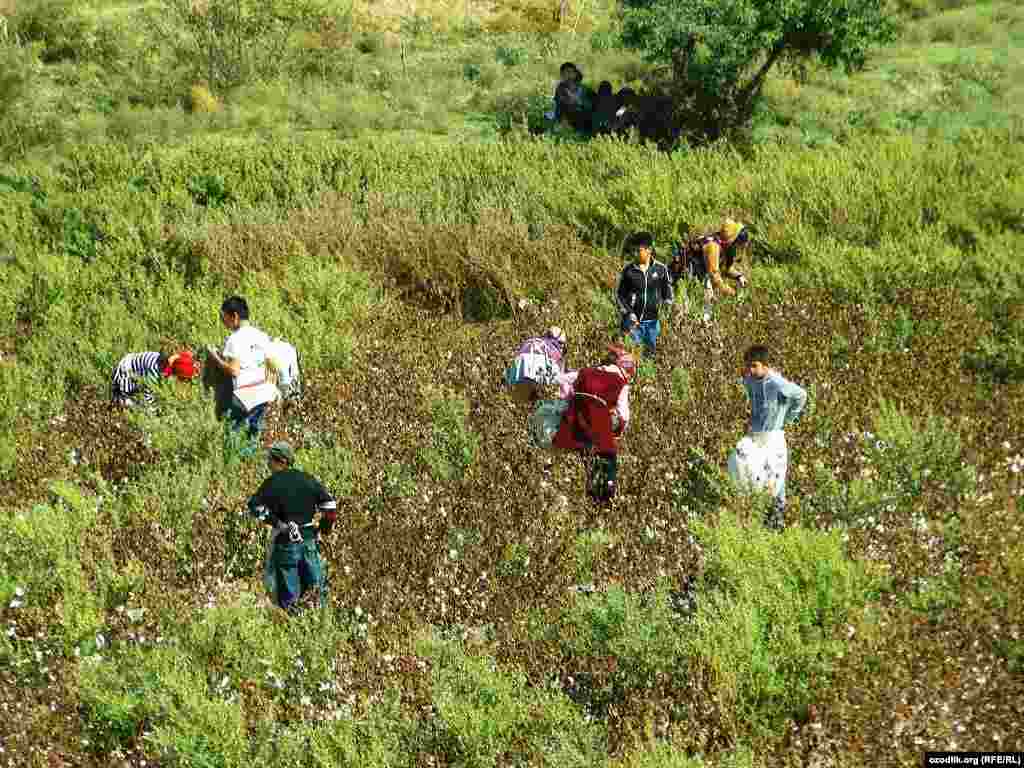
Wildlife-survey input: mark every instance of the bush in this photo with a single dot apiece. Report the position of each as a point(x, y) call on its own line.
point(165, 689)
point(705, 486)
point(453, 445)
point(904, 460)
point(227, 43)
point(61, 559)
point(620, 647)
point(486, 713)
point(64, 32)
point(768, 610)
point(201, 101)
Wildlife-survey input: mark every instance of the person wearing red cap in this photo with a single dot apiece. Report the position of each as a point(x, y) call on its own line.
point(136, 370)
point(597, 415)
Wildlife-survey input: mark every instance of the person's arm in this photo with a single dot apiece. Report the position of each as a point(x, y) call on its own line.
point(227, 362)
point(711, 257)
point(796, 399)
point(622, 296)
point(736, 274)
point(566, 384)
point(328, 508)
point(747, 382)
point(622, 407)
point(259, 506)
point(668, 296)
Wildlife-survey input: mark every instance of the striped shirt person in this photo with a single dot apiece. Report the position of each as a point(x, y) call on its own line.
point(136, 371)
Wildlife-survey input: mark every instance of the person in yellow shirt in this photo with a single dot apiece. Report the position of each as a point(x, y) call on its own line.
point(712, 258)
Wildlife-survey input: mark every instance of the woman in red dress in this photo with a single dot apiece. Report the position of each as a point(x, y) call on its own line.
point(598, 394)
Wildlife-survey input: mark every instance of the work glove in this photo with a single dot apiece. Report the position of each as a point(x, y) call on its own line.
point(742, 280)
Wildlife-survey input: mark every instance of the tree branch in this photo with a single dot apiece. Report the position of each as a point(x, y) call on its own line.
point(751, 89)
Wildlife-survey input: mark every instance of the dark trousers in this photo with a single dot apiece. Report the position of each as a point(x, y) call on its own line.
point(253, 418)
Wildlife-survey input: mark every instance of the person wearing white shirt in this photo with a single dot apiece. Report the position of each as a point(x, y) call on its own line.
point(244, 359)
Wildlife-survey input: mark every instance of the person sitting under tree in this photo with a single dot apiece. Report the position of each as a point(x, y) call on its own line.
point(287, 501)
point(597, 416)
point(607, 106)
point(573, 100)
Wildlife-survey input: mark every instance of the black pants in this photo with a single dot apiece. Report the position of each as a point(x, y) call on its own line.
point(601, 479)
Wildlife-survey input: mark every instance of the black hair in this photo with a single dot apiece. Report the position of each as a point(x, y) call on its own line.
point(757, 354)
point(641, 240)
point(235, 305)
point(567, 65)
point(604, 89)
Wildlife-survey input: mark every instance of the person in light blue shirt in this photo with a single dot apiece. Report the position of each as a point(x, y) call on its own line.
point(762, 457)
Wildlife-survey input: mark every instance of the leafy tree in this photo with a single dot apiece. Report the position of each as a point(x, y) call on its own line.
point(719, 52)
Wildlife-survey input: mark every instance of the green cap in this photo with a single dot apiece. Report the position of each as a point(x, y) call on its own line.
point(282, 451)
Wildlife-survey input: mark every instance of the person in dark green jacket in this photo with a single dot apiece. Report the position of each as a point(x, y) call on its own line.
point(287, 501)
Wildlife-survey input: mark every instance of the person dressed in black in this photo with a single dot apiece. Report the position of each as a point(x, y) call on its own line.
point(606, 107)
point(287, 501)
point(644, 286)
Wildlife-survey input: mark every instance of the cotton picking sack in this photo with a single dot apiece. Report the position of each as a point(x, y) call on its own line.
point(748, 464)
point(257, 394)
point(545, 420)
point(284, 359)
point(758, 462)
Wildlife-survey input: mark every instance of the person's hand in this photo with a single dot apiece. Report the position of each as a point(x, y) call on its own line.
point(633, 321)
point(742, 280)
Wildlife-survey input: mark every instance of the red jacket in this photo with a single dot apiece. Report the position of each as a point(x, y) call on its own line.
point(588, 420)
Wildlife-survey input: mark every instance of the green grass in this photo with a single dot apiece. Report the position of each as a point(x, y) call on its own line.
point(954, 69)
point(377, 217)
point(957, 67)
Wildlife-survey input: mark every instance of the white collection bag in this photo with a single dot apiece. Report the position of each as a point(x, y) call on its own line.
point(284, 359)
point(544, 421)
point(759, 462)
point(257, 394)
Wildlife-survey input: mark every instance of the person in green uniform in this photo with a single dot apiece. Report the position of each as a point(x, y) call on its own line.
point(287, 501)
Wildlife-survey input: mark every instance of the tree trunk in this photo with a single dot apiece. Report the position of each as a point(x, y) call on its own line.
point(747, 94)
